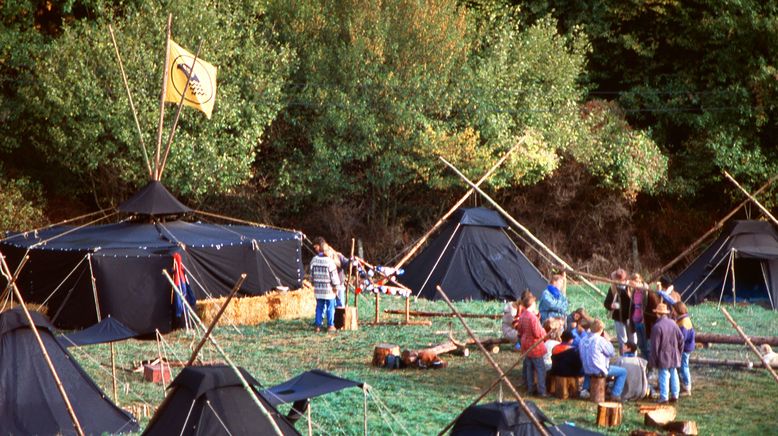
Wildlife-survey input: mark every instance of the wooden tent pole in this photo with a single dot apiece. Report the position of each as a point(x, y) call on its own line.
point(310, 423)
point(113, 375)
point(494, 364)
point(215, 320)
point(6, 272)
point(350, 270)
point(132, 104)
point(15, 277)
point(518, 225)
point(750, 344)
point(712, 230)
point(456, 205)
point(364, 408)
point(178, 110)
point(732, 266)
point(752, 198)
point(165, 72)
point(226, 358)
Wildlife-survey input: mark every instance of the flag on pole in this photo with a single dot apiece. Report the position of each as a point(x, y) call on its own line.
point(201, 92)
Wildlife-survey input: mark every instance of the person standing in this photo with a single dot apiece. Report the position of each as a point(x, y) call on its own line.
point(324, 275)
point(684, 322)
point(667, 343)
point(530, 331)
point(341, 263)
point(639, 299)
point(596, 351)
point(618, 302)
point(553, 301)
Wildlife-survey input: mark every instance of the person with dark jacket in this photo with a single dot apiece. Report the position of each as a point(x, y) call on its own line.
point(684, 321)
point(619, 303)
point(667, 343)
point(565, 359)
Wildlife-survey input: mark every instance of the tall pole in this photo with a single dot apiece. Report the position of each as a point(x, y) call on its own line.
point(6, 272)
point(752, 198)
point(494, 364)
point(350, 270)
point(517, 224)
point(165, 72)
point(456, 205)
point(750, 344)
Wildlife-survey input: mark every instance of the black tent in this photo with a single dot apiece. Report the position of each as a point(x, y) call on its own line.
point(742, 264)
point(510, 420)
point(117, 268)
point(29, 400)
point(210, 400)
point(473, 258)
point(107, 330)
point(307, 385)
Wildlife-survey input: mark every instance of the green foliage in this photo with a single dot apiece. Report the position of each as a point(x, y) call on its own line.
point(21, 203)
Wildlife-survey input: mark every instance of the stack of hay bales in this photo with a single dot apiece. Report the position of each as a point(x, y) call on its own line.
point(255, 310)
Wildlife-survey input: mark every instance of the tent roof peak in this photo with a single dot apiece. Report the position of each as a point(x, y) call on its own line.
point(154, 200)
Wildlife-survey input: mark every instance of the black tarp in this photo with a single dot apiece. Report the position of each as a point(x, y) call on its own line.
point(210, 400)
point(510, 420)
point(754, 245)
point(153, 199)
point(29, 400)
point(473, 258)
point(307, 385)
point(108, 330)
point(127, 260)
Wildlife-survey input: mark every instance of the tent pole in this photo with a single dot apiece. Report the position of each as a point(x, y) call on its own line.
point(456, 205)
point(751, 197)
point(732, 266)
point(350, 269)
point(494, 364)
point(93, 281)
point(767, 285)
point(161, 363)
point(517, 224)
point(15, 277)
point(6, 272)
point(161, 124)
point(364, 408)
point(723, 282)
point(310, 424)
point(224, 355)
point(113, 374)
point(437, 261)
point(750, 344)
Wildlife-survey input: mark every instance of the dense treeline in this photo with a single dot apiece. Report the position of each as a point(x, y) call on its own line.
point(330, 115)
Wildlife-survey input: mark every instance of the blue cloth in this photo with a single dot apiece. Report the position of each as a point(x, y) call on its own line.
point(671, 375)
point(621, 378)
point(552, 304)
point(595, 352)
point(535, 367)
point(578, 337)
point(640, 331)
point(666, 296)
point(327, 305)
point(686, 374)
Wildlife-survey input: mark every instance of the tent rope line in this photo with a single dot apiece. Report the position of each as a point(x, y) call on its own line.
point(67, 298)
point(69, 231)
point(301, 412)
point(188, 415)
point(704, 279)
point(388, 411)
point(93, 282)
point(69, 220)
point(442, 252)
point(255, 246)
point(251, 223)
point(224, 426)
point(767, 285)
point(65, 280)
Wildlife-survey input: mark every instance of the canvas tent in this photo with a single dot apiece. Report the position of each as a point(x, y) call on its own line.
point(83, 274)
point(29, 400)
point(510, 420)
point(473, 258)
point(741, 264)
point(210, 400)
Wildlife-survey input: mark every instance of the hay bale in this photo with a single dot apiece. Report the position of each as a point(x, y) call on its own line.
point(32, 307)
point(259, 309)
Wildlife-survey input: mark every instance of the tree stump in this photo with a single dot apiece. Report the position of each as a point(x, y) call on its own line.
point(609, 414)
point(346, 318)
point(657, 415)
point(682, 427)
point(381, 351)
point(564, 387)
point(597, 389)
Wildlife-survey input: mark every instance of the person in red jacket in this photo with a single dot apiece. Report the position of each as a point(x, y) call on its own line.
point(530, 331)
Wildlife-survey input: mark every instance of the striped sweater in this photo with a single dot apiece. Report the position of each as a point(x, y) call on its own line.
point(324, 275)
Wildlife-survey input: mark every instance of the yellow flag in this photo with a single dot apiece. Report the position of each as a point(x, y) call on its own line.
point(201, 92)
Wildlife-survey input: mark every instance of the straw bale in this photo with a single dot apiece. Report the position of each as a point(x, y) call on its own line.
point(258, 309)
point(32, 307)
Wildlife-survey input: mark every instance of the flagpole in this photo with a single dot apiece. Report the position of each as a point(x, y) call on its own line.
point(178, 110)
point(162, 97)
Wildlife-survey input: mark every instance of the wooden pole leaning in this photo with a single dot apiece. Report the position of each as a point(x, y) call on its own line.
point(456, 205)
point(224, 355)
point(752, 198)
point(165, 72)
point(350, 270)
point(215, 320)
point(6, 272)
point(15, 276)
point(178, 110)
point(494, 364)
point(132, 104)
point(750, 344)
point(518, 224)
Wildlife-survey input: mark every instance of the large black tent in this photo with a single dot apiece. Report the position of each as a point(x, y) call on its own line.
point(83, 274)
point(307, 385)
point(210, 400)
point(29, 400)
point(472, 257)
point(742, 264)
point(510, 420)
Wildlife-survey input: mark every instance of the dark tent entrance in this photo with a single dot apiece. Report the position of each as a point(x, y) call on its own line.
point(740, 265)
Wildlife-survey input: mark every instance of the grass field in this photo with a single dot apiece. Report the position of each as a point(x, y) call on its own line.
point(725, 401)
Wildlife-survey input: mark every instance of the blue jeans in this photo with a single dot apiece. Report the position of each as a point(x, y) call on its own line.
point(670, 374)
point(535, 367)
point(328, 306)
point(340, 299)
point(686, 375)
point(619, 373)
point(640, 330)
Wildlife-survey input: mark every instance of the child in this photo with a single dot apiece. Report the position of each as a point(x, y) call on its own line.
point(581, 331)
point(510, 313)
point(530, 331)
point(685, 323)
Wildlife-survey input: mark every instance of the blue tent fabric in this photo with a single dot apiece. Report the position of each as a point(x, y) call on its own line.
point(153, 199)
point(307, 385)
point(480, 216)
point(108, 330)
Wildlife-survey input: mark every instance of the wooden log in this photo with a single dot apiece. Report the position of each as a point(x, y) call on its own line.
point(659, 416)
point(346, 318)
point(564, 387)
point(730, 362)
point(714, 338)
point(381, 351)
point(442, 314)
point(597, 389)
point(682, 427)
point(609, 414)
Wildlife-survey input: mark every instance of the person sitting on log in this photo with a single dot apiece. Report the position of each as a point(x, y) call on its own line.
point(530, 331)
point(684, 322)
point(553, 302)
point(565, 360)
point(553, 328)
point(596, 351)
point(510, 313)
point(636, 386)
point(667, 343)
point(618, 302)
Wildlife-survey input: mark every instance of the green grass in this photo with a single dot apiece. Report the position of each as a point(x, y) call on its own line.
point(725, 401)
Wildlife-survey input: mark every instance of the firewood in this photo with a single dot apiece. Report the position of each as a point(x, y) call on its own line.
point(711, 338)
point(643, 433)
point(660, 416)
point(609, 414)
point(682, 427)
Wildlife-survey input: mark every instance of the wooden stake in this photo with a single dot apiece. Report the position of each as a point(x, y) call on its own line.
point(408, 309)
point(215, 320)
point(6, 272)
point(310, 423)
point(732, 266)
point(377, 309)
point(751, 197)
point(178, 109)
point(132, 105)
point(350, 270)
point(364, 409)
point(518, 225)
point(456, 206)
point(494, 364)
point(750, 344)
point(162, 97)
point(113, 375)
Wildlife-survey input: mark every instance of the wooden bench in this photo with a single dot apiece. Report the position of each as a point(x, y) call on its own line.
point(564, 387)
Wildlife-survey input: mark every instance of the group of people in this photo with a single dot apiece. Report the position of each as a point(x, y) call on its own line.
point(653, 330)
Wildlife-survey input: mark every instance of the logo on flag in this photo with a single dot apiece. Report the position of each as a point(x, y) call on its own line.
point(201, 92)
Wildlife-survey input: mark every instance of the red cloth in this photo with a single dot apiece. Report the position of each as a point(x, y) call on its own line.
point(530, 331)
point(560, 348)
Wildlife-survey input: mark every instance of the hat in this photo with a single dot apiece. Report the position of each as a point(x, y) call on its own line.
point(661, 308)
